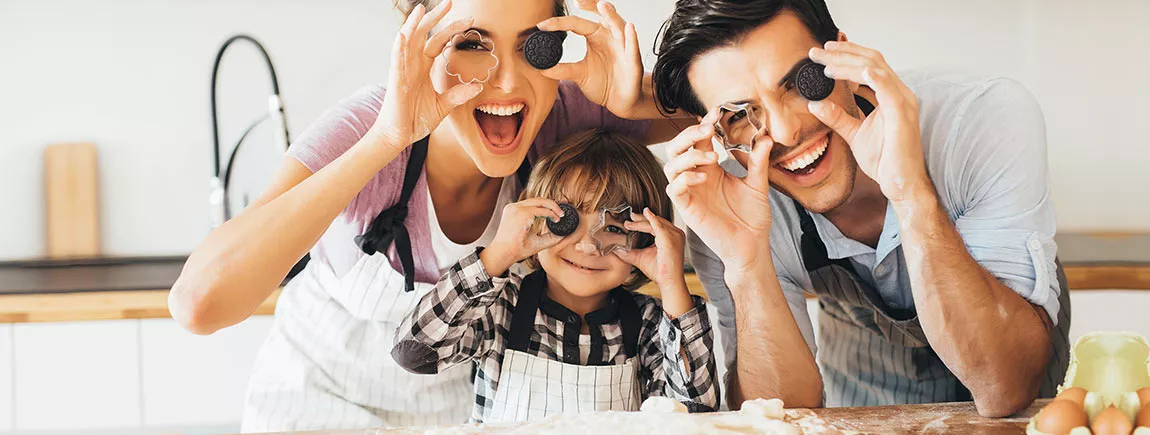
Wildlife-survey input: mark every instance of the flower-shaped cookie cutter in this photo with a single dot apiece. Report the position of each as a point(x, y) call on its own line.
point(461, 38)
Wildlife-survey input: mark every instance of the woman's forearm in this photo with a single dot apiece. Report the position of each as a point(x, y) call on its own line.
point(243, 261)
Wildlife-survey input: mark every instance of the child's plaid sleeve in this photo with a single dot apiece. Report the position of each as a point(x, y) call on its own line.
point(681, 359)
point(455, 321)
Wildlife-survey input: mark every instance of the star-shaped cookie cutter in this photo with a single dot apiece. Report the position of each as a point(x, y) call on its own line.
point(606, 247)
point(463, 36)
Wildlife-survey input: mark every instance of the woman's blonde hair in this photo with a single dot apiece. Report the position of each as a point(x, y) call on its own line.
point(596, 169)
point(406, 6)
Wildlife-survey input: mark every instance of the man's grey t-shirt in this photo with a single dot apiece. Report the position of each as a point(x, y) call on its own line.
point(984, 141)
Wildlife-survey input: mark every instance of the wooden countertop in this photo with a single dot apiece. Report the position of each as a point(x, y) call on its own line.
point(926, 419)
point(136, 288)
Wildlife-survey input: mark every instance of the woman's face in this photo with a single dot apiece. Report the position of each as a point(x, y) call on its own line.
point(497, 127)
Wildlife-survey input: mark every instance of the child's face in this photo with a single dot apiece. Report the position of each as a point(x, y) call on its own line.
point(578, 266)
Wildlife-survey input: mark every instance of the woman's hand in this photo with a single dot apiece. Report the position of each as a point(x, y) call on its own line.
point(412, 107)
point(732, 215)
point(662, 262)
point(611, 74)
point(516, 239)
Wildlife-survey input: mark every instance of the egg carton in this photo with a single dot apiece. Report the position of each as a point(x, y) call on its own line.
point(1111, 367)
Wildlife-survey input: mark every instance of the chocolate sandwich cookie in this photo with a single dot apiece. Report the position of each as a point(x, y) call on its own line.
point(544, 49)
point(567, 224)
point(813, 83)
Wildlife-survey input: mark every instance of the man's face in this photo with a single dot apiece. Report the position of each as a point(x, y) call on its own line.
point(809, 162)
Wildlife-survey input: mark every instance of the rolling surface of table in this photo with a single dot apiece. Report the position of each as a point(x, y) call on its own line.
point(938, 418)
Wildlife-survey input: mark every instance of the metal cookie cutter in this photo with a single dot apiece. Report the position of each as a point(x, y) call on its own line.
point(470, 57)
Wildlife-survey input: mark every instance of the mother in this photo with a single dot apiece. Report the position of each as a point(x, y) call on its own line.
point(388, 192)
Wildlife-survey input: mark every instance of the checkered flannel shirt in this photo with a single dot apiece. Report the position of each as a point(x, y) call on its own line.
point(467, 317)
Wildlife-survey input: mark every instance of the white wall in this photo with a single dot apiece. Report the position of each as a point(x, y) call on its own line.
point(132, 76)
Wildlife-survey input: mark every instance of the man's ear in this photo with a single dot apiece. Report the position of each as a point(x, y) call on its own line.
point(842, 37)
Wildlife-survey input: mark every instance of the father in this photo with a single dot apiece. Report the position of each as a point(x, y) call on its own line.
point(916, 208)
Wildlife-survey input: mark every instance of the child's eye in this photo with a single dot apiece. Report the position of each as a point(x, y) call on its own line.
point(616, 229)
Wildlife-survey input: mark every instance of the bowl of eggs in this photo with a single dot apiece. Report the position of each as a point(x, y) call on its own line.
point(1106, 391)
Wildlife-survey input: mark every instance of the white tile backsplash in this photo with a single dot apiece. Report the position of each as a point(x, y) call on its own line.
point(77, 375)
point(190, 379)
point(7, 394)
point(1109, 310)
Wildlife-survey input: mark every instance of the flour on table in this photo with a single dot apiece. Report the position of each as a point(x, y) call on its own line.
point(662, 404)
point(658, 417)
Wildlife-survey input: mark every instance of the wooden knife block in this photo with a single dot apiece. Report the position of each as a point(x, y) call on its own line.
point(71, 191)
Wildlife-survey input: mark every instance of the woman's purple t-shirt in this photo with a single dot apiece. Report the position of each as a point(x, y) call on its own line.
point(341, 127)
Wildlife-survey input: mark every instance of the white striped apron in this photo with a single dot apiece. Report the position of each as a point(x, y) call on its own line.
point(871, 354)
point(327, 364)
point(532, 388)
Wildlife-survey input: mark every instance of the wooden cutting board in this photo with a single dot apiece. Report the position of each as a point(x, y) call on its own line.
point(70, 190)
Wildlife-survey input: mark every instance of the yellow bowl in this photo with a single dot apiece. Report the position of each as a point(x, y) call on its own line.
point(1111, 367)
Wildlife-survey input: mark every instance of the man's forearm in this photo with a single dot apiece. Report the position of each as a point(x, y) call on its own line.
point(993, 340)
point(773, 360)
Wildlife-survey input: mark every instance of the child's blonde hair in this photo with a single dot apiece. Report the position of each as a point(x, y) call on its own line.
point(596, 169)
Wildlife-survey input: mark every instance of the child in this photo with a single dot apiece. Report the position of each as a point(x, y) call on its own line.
point(571, 336)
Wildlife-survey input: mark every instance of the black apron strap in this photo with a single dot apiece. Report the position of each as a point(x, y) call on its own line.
point(388, 225)
point(630, 320)
point(523, 318)
point(865, 106)
point(811, 245)
point(523, 173)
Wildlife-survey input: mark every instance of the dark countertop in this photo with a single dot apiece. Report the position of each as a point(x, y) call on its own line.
point(89, 275)
point(159, 273)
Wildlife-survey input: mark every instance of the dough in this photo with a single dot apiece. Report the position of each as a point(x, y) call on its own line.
point(662, 404)
point(772, 409)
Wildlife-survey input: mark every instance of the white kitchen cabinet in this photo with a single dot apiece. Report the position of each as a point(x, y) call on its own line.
point(7, 394)
point(76, 375)
point(196, 380)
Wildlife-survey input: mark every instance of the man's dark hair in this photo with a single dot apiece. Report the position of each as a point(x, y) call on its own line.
point(701, 25)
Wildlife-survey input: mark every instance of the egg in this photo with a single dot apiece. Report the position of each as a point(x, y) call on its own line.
point(1074, 394)
point(1058, 417)
point(1143, 418)
point(1144, 396)
point(1111, 421)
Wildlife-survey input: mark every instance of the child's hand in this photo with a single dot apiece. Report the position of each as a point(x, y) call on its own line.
point(515, 239)
point(663, 262)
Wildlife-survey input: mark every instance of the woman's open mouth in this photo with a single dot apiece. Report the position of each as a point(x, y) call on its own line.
point(500, 124)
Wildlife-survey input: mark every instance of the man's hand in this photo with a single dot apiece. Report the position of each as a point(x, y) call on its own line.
point(887, 144)
point(732, 215)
